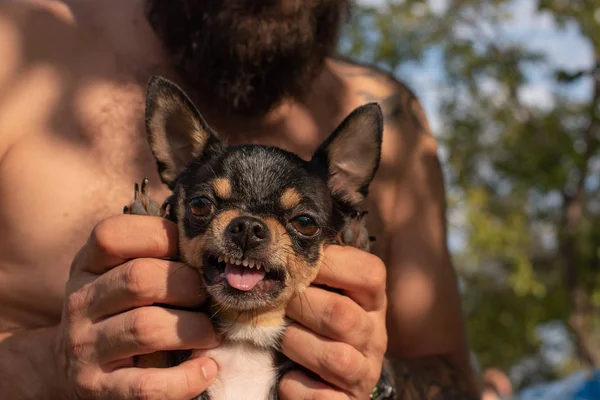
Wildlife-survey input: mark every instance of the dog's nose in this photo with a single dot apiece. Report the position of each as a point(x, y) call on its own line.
point(247, 232)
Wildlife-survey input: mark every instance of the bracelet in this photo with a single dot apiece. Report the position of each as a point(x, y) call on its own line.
point(384, 390)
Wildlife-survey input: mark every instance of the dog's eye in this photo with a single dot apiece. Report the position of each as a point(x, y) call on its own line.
point(306, 225)
point(201, 206)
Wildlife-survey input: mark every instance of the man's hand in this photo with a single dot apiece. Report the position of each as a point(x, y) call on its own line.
point(109, 315)
point(341, 338)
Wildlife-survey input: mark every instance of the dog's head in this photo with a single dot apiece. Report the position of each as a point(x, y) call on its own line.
point(253, 219)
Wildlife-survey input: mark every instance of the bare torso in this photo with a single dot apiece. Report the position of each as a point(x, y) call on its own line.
point(72, 143)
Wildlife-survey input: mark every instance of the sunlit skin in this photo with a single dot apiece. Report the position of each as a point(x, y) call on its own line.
point(72, 87)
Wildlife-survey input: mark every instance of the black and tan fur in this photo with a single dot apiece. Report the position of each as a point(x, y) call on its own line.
point(257, 204)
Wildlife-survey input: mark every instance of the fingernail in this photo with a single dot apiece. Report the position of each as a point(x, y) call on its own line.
point(209, 369)
point(210, 342)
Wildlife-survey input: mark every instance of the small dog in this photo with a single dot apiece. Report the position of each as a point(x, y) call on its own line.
point(253, 221)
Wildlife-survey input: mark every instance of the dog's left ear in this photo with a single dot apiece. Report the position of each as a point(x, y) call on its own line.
point(177, 133)
point(352, 153)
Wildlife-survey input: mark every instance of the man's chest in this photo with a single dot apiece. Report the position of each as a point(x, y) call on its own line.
point(68, 173)
point(55, 185)
point(56, 182)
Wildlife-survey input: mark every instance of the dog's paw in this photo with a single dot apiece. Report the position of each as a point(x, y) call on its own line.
point(142, 203)
point(354, 233)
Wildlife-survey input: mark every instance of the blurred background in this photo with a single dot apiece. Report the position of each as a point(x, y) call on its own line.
point(512, 91)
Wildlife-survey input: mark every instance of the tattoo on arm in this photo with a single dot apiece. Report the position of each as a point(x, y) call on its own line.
point(402, 103)
point(432, 378)
point(390, 105)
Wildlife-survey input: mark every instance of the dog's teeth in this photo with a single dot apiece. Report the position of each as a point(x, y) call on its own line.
point(220, 259)
point(226, 259)
point(238, 262)
point(267, 269)
point(251, 263)
point(245, 263)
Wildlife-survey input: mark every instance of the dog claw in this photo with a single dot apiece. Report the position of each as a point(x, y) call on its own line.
point(142, 203)
point(144, 185)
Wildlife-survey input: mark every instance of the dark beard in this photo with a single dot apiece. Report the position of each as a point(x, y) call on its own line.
point(245, 56)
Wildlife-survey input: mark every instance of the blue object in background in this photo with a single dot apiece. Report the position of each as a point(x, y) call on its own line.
point(590, 389)
point(579, 386)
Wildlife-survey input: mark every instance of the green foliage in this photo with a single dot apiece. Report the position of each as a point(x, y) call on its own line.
point(513, 167)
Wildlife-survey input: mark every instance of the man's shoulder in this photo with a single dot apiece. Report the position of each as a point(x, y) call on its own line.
point(369, 83)
point(407, 134)
point(370, 76)
point(34, 33)
point(33, 45)
point(32, 18)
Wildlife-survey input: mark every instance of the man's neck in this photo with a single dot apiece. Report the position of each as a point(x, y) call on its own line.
point(286, 118)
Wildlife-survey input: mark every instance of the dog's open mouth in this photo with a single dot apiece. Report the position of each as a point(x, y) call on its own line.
point(245, 275)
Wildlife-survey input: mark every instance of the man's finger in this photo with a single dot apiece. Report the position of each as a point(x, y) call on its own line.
point(296, 385)
point(358, 274)
point(118, 239)
point(331, 315)
point(149, 329)
point(143, 282)
point(336, 362)
point(182, 382)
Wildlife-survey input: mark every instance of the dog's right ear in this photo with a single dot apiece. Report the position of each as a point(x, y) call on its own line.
point(177, 133)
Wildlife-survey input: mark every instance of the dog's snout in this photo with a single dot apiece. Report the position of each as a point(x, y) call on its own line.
point(247, 232)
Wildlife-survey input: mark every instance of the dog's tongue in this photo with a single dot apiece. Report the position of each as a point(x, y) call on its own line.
point(243, 278)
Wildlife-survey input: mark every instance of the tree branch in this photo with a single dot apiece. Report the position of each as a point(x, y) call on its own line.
point(573, 208)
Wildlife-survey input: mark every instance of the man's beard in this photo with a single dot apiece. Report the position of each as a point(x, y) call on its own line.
point(245, 56)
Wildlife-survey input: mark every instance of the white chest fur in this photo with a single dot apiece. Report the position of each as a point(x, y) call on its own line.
point(245, 371)
point(246, 362)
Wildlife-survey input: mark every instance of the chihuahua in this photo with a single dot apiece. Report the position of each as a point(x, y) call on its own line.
point(253, 220)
